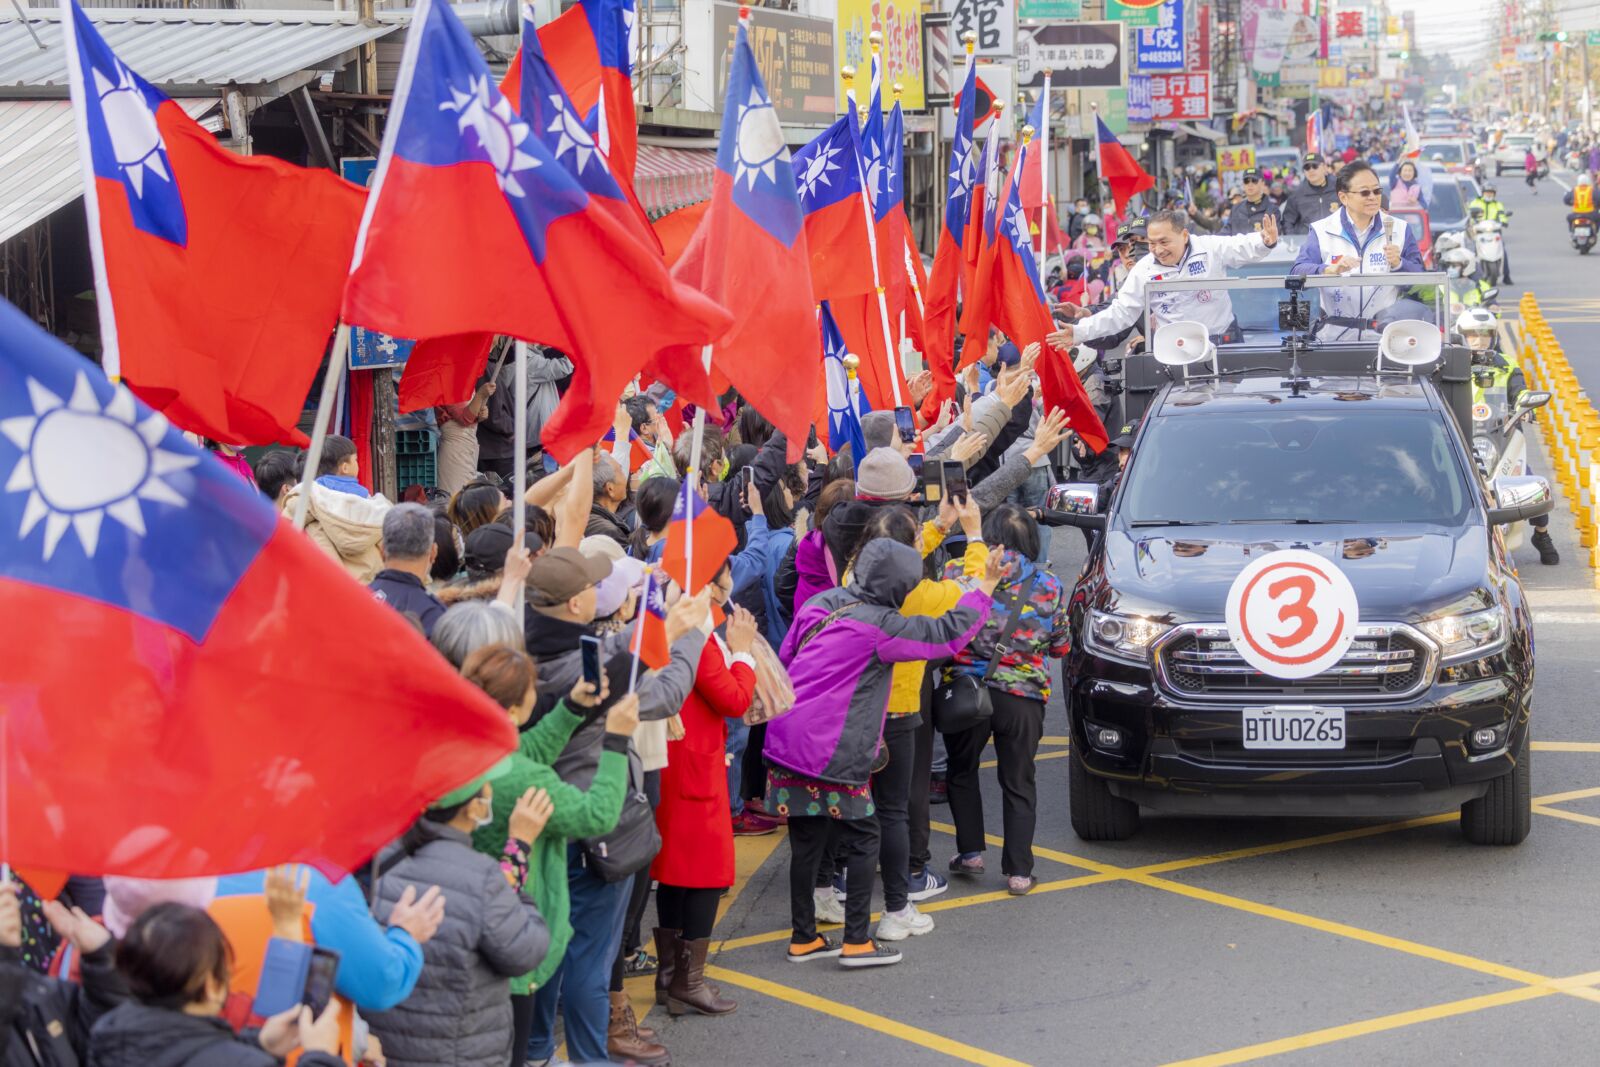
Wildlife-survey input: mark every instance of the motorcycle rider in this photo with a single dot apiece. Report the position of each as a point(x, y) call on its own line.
point(1492, 209)
point(1494, 369)
point(1176, 254)
point(1581, 201)
point(1246, 216)
point(1360, 238)
point(1314, 198)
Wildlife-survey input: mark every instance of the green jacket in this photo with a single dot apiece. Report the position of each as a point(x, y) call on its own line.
point(578, 813)
point(1492, 209)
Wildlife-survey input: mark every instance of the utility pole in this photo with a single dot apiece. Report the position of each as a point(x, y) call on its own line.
point(1588, 93)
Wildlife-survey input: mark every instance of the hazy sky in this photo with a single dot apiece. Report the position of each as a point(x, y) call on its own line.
point(1459, 27)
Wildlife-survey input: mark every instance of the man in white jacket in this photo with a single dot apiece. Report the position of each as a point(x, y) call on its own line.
point(1175, 255)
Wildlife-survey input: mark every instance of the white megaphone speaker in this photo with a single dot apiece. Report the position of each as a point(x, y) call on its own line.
point(1410, 343)
point(1179, 344)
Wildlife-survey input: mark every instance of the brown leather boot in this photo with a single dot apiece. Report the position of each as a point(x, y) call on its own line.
point(689, 990)
point(623, 1041)
point(666, 960)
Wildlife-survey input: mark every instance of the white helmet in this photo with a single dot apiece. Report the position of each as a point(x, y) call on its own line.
point(1476, 320)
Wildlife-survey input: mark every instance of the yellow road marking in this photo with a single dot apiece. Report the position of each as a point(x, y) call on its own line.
point(1049, 740)
point(1040, 758)
point(1570, 816)
point(1566, 746)
point(883, 1025)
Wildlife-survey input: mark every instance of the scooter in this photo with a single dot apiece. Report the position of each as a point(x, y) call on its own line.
point(1490, 246)
point(1582, 231)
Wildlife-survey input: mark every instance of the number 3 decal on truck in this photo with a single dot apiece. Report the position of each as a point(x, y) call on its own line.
point(1292, 614)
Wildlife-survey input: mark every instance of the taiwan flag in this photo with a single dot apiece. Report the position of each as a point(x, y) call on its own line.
point(750, 256)
point(190, 677)
point(830, 178)
point(638, 452)
point(846, 405)
point(882, 161)
point(476, 225)
point(699, 540)
point(1022, 312)
point(216, 275)
point(949, 275)
point(977, 311)
point(907, 257)
point(1118, 168)
point(650, 645)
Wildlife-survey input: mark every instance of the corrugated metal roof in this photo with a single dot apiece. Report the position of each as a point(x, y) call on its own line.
point(39, 168)
point(187, 52)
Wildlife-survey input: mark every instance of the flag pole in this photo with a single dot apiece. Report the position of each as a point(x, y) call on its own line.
point(638, 627)
point(694, 472)
point(5, 793)
point(907, 252)
point(319, 429)
point(519, 477)
point(1044, 176)
point(872, 246)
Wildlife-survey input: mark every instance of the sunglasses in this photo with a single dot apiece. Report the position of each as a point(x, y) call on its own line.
point(1366, 192)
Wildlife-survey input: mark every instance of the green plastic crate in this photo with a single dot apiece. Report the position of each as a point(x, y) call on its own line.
point(417, 469)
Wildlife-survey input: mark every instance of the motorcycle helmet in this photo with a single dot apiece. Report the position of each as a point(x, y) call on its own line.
point(1083, 359)
point(1477, 327)
point(1459, 262)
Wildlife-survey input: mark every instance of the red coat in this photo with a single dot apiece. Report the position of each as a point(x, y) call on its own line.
point(694, 814)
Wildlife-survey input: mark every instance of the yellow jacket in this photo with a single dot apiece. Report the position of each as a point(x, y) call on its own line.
point(931, 598)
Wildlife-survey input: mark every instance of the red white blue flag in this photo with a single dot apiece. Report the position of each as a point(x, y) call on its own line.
point(216, 275)
point(829, 176)
point(846, 404)
point(650, 636)
point(699, 540)
point(950, 275)
point(476, 225)
point(159, 611)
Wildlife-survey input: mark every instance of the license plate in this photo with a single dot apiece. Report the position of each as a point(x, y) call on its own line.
point(1297, 727)
point(1581, 231)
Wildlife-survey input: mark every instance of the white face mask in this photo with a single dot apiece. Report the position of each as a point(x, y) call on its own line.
point(488, 816)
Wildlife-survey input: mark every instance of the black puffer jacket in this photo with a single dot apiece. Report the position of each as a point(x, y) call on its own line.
point(136, 1035)
point(460, 1011)
point(45, 1022)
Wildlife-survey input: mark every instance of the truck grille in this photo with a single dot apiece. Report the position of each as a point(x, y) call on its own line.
point(1385, 661)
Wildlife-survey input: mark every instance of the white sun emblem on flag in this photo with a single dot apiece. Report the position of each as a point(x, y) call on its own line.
point(816, 172)
point(136, 140)
point(573, 137)
point(961, 173)
point(498, 129)
point(760, 141)
point(82, 461)
point(1019, 227)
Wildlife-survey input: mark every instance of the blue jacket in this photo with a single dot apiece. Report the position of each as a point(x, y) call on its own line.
point(755, 574)
point(378, 967)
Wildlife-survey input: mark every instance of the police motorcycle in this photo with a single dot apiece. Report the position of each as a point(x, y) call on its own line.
point(1498, 442)
point(1488, 237)
point(1581, 228)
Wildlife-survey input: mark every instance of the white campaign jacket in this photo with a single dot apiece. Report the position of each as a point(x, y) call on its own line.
point(1207, 256)
point(1332, 237)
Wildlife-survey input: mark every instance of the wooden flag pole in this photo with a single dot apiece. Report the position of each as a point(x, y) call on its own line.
point(319, 428)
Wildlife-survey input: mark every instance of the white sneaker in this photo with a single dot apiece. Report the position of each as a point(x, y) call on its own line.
point(907, 922)
point(828, 909)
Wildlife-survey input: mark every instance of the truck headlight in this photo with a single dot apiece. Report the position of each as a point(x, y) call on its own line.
point(1123, 637)
point(1469, 635)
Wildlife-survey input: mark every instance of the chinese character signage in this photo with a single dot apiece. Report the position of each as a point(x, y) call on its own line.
point(1350, 24)
point(1180, 97)
point(794, 54)
point(1141, 13)
point(1236, 157)
point(1199, 40)
point(370, 350)
point(900, 22)
point(1080, 55)
point(1054, 10)
point(1139, 98)
point(994, 21)
point(1161, 49)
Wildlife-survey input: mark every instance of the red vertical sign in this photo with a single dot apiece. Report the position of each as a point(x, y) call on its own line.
point(1197, 56)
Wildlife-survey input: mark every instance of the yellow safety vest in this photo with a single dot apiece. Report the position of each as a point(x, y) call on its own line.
point(1583, 198)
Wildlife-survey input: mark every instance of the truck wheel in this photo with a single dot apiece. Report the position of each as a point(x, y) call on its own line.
point(1096, 814)
point(1504, 814)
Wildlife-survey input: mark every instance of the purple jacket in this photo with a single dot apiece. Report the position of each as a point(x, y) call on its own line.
point(811, 567)
point(842, 676)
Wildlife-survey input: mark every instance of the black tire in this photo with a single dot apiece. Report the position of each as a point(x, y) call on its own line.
point(1584, 249)
point(1503, 815)
point(1096, 814)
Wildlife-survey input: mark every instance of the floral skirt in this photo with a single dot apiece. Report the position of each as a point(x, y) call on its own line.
point(797, 796)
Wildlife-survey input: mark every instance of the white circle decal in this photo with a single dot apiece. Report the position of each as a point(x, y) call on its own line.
point(1292, 614)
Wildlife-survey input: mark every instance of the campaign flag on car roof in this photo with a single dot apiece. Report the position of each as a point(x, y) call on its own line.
point(750, 256)
point(475, 226)
point(1118, 167)
point(830, 178)
point(216, 275)
point(846, 405)
point(949, 261)
point(590, 51)
point(699, 540)
point(151, 589)
point(1022, 312)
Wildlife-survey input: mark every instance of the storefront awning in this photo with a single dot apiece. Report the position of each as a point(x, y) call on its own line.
point(1205, 133)
point(667, 179)
point(39, 169)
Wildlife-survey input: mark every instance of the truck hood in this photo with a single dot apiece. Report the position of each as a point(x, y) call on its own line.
point(1400, 574)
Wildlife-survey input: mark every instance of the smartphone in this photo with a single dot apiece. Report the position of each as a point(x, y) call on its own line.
point(811, 438)
point(591, 660)
point(749, 475)
point(905, 424)
point(955, 480)
point(932, 477)
point(319, 979)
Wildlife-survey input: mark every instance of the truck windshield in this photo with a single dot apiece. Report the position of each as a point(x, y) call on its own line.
point(1397, 466)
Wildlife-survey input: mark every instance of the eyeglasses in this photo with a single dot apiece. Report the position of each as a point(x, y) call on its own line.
point(1374, 191)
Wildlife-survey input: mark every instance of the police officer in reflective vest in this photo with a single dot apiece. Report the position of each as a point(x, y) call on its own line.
point(1490, 207)
point(1581, 200)
point(1498, 379)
